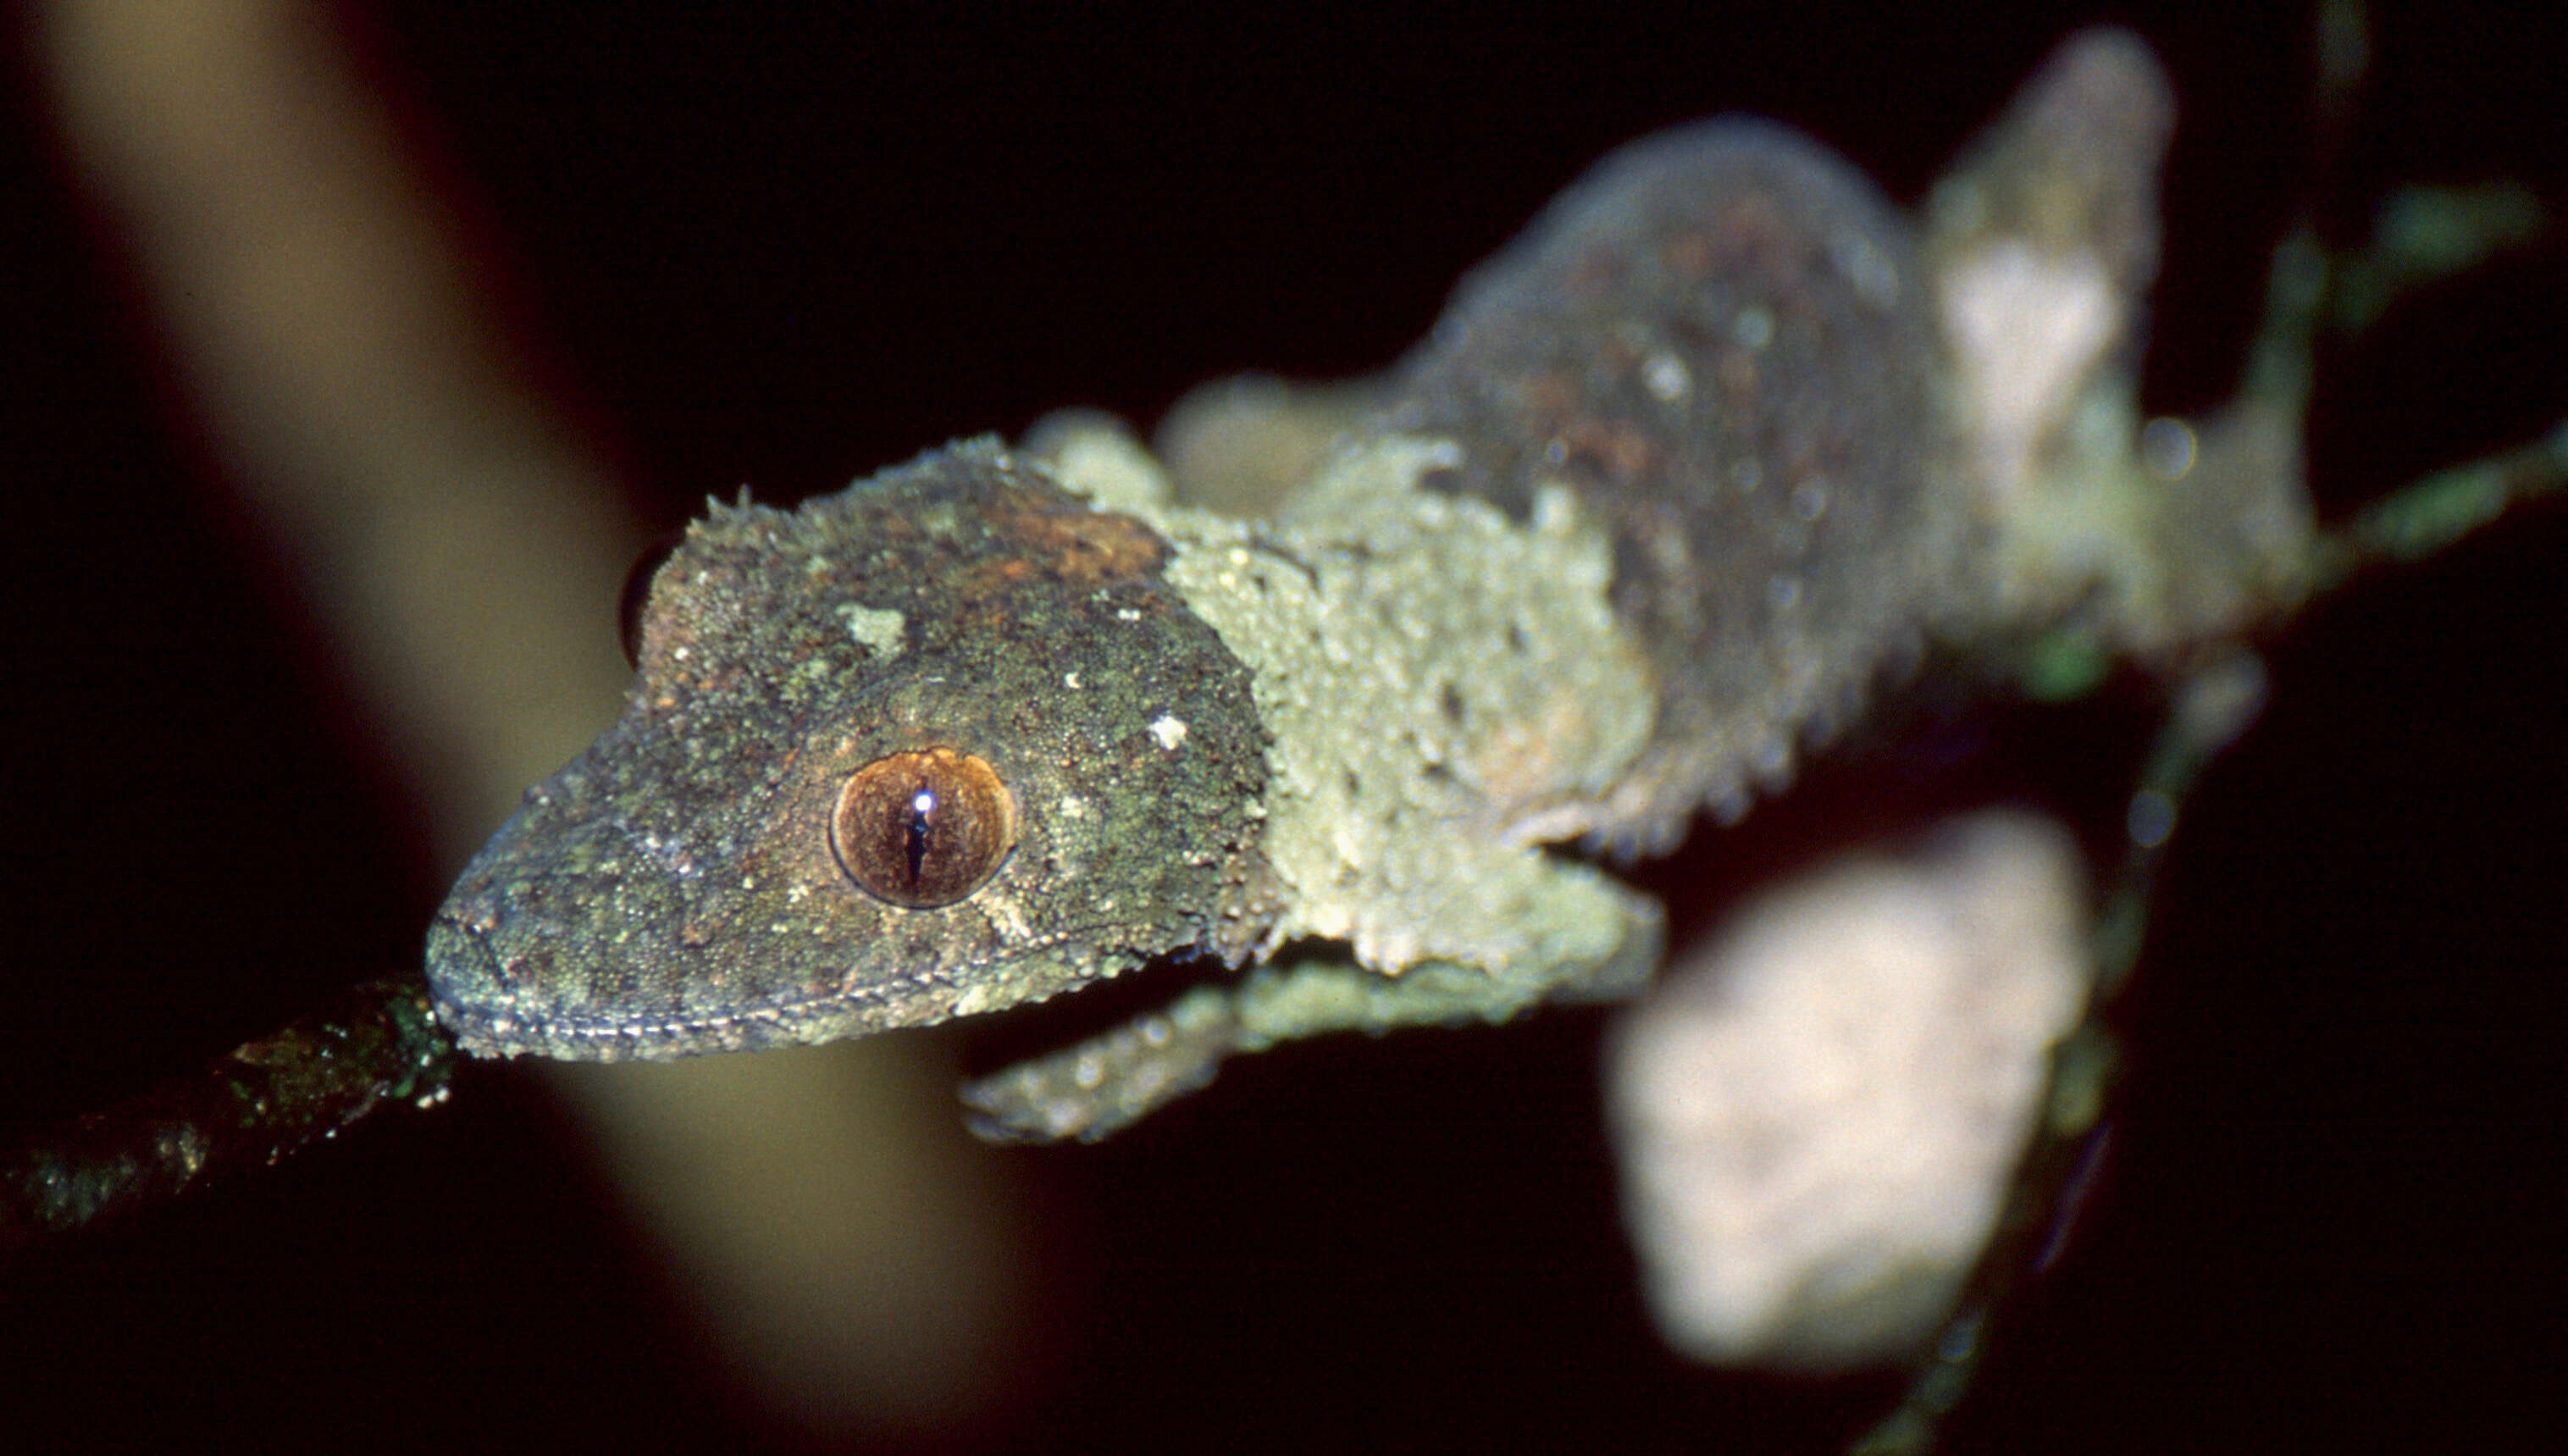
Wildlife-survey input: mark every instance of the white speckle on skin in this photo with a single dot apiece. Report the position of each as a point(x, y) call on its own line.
point(1873, 272)
point(1069, 680)
point(1171, 731)
point(1810, 499)
point(1665, 376)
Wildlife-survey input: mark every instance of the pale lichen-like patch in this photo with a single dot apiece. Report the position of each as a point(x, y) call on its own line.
point(882, 630)
point(2027, 329)
point(1496, 686)
point(2042, 245)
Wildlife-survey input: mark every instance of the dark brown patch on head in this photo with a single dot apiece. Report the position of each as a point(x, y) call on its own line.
point(1081, 546)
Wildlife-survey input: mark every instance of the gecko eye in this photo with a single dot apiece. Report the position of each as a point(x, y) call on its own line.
point(923, 829)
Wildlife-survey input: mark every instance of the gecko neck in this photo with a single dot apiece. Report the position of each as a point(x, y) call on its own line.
point(1444, 687)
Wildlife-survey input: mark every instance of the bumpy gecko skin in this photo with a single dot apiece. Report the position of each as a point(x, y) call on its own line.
point(680, 886)
point(1719, 342)
point(1674, 482)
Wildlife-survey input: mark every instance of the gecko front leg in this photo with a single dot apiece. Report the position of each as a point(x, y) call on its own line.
point(1105, 1084)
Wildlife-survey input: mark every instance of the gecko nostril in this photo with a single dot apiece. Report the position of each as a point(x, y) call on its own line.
point(923, 829)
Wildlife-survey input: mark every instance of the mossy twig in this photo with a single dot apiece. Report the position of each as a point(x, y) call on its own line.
point(378, 1045)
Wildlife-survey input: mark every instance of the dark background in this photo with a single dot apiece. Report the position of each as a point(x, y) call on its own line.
point(789, 251)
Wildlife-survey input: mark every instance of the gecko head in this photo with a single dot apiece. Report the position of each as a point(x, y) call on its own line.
point(942, 743)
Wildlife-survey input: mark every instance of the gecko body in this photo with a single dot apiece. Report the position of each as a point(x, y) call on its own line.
point(1677, 478)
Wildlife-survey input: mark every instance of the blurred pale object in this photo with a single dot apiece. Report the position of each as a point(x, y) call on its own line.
point(369, 402)
point(1818, 1114)
point(855, 1253)
point(325, 310)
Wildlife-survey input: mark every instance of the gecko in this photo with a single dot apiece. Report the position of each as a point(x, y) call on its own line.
point(1720, 449)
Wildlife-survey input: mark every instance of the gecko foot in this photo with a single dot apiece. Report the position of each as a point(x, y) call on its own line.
point(1098, 1087)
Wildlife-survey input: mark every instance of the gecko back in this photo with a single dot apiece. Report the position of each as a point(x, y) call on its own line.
point(1720, 341)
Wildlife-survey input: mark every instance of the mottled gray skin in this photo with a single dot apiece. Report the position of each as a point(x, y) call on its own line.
point(1677, 478)
point(1719, 340)
point(672, 890)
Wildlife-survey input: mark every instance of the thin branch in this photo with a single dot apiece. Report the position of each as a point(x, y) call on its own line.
point(378, 1045)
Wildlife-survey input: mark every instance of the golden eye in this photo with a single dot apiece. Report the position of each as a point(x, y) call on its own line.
point(923, 829)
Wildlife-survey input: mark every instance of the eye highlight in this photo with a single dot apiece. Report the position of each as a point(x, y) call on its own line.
point(923, 829)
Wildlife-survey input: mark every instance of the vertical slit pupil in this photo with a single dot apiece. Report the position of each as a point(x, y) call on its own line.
point(922, 828)
point(923, 808)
